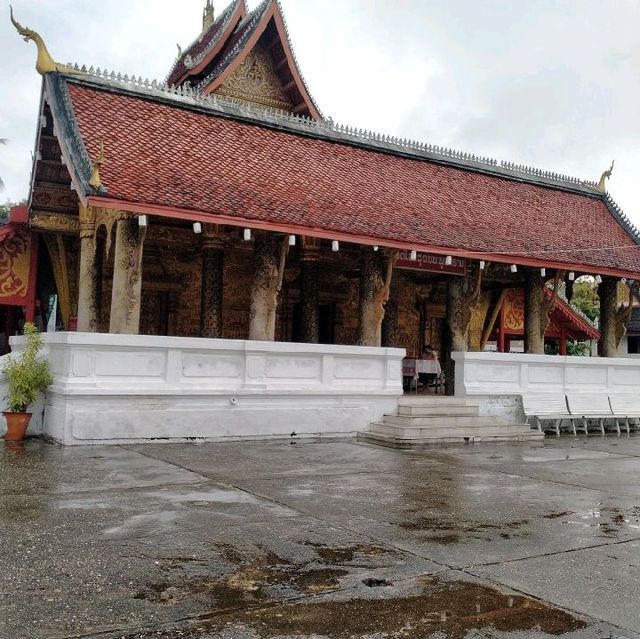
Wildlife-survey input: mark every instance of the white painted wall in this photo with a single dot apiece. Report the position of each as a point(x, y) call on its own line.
point(503, 378)
point(127, 388)
point(623, 349)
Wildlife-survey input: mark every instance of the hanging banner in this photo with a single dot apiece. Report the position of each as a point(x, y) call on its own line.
point(432, 263)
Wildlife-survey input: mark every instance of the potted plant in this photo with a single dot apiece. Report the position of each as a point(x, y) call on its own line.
point(26, 377)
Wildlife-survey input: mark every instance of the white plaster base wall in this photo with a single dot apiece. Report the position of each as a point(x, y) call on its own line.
point(128, 388)
point(497, 381)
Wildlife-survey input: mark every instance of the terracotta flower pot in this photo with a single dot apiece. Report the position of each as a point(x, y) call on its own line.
point(17, 424)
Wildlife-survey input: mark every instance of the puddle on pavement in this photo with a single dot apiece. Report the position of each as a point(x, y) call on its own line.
point(611, 521)
point(449, 608)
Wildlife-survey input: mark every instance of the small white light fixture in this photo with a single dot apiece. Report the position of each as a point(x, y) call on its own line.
point(142, 220)
point(448, 260)
point(375, 248)
point(514, 268)
point(197, 227)
point(292, 240)
point(246, 235)
point(43, 121)
point(413, 256)
point(572, 276)
point(335, 246)
point(543, 271)
point(482, 265)
point(598, 279)
point(623, 280)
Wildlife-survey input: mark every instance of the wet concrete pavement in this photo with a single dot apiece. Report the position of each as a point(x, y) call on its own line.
point(321, 539)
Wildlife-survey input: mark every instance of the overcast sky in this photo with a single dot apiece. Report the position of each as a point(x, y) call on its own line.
point(554, 84)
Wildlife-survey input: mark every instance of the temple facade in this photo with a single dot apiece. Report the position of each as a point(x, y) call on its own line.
point(221, 203)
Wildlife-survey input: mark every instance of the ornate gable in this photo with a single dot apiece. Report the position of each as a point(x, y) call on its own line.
point(256, 80)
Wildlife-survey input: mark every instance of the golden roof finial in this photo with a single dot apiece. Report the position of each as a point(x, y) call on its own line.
point(95, 181)
point(602, 184)
point(44, 62)
point(207, 17)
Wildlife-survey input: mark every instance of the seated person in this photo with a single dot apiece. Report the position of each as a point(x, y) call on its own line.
point(428, 379)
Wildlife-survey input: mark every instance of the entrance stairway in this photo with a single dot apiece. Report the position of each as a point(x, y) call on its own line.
point(441, 420)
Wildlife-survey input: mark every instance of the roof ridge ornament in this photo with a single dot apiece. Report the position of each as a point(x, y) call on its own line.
point(95, 181)
point(602, 184)
point(44, 62)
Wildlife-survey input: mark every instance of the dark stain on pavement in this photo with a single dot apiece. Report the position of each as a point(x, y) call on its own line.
point(459, 531)
point(346, 554)
point(251, 583)
point(564, 513)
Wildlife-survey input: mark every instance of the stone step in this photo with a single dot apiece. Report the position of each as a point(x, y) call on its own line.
point(425, 442)
point(441, 421)
point(433, 400)
point(437, 409)
point(474, 432)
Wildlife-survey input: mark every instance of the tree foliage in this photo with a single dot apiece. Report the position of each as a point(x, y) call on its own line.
point(585, 297)
point(27, 375)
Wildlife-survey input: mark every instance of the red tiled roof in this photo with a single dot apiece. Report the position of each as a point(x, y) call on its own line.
point(165, 155)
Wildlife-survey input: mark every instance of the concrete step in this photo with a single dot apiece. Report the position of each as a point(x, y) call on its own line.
point(473, 432)
point(441, 421)
point(437, 409)
point(425, 442)
point(431, 400)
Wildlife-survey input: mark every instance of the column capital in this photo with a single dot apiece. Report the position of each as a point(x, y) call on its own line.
point(87, 221)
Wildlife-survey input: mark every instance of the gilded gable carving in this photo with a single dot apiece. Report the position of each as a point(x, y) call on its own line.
point(256, 81)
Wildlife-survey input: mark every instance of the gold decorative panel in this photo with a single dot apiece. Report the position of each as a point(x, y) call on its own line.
point(15, 259)
point(256, 81)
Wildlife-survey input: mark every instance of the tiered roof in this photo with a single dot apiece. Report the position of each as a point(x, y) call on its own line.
point(185, 155)
point(219, 52)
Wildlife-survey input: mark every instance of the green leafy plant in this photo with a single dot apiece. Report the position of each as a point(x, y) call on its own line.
point(26, 374)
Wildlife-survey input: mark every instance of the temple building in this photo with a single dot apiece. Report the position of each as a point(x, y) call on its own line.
point(221, 203)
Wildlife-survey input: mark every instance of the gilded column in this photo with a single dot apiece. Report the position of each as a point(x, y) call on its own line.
point(269, 262)
point(127, 277)
point(212, 283)
point(309, 295)
point(608, 293)
point(87, 317)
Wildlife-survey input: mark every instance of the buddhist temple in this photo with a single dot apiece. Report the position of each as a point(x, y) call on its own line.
point(221, 203)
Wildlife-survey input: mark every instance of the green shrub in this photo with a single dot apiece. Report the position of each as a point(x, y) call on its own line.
point(26, 375)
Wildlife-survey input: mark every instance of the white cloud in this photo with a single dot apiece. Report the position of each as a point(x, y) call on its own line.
point(550, 83)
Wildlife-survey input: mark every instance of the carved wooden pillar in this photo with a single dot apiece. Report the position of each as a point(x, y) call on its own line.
point(608, 293)
point(535, 318)
point(87, 316)
point(390, 322)
point(376, 271)
point(127, 277)
point(309, 293)
point(462, 296)
point(269, 262)
point(212, 283)
point(459, 308)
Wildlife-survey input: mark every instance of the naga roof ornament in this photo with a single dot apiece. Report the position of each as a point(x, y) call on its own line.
point(602, 184)
point(96, 181)
point(44, 62)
